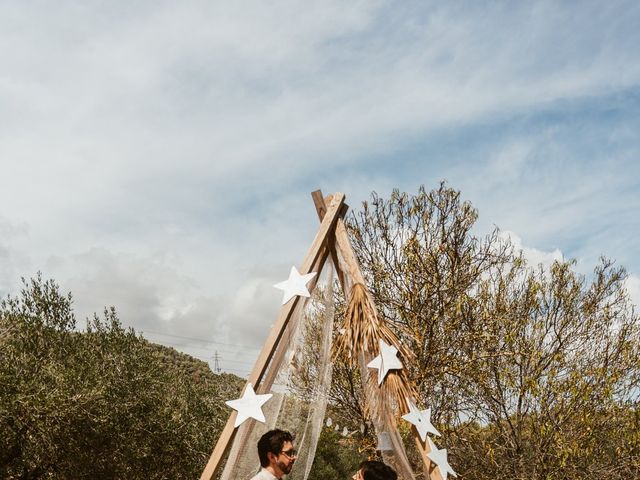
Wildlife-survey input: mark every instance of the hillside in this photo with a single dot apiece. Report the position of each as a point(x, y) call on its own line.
point(101, 403)
point(195, 369)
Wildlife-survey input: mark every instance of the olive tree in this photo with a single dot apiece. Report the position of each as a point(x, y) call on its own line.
point(531, 372)
point(99, 403)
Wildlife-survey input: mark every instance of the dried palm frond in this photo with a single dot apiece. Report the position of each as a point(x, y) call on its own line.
point(359, 328)
point(358, 343)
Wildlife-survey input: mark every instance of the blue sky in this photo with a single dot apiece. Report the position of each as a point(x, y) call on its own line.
point(158, 156)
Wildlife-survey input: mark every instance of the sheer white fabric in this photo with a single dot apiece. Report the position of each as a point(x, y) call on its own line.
point(300, 378)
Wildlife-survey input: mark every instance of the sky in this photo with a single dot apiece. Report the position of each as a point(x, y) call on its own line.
point(159, 156)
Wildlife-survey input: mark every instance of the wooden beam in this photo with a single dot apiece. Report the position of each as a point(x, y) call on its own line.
point(353, 267)
point(321, 209)
point(262, 363)
point(270, 376)
point(429, 467)
point(348, 256)
point(328, 225)
point(244, 434)
point(342, 242)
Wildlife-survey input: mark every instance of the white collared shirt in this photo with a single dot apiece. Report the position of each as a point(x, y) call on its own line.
point(264, 474)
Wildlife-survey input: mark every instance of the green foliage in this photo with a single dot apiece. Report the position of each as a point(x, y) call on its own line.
point(530, 372)
point(102, 403)
point(336, 457)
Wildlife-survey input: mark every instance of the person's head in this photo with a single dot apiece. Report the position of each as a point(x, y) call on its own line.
point(374, 470)
point(275, 450)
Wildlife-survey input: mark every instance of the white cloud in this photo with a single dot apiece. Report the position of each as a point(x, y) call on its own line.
point(632, 285)
point(509, 164)
point(159, 156)
point(149, 292)
point(12, 257)
point(533, 256)
point(166, 305)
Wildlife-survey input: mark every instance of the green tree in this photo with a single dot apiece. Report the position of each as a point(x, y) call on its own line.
point(336, 457)
point(103, 403)
point(530, 372)
point(560, 389)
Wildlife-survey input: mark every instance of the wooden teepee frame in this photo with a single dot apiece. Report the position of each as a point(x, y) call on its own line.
point(331, 239)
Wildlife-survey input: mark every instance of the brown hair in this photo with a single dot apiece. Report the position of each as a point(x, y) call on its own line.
point(375, 470)
point(272, 441)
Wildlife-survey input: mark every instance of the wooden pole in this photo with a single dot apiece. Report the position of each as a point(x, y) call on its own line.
point(246, 429)
point(429, 467)
point(321, 209)
point(228, 433)
point(270, 376)
point(353, 268)
point(342, 242)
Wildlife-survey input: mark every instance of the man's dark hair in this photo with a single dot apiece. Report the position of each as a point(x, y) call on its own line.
point(374, 470)
point(272, 441)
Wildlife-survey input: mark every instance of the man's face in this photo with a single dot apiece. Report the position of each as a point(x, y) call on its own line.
point(358, 475)
point(286, 458)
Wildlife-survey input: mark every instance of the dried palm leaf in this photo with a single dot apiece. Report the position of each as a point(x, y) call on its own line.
point(359, 342)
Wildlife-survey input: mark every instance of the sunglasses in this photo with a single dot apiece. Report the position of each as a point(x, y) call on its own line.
point(290, 453)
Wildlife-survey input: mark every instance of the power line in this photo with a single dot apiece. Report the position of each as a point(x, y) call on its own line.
point(191, 347)
point(203, 340)
point(207, 359)
point(182, 350)
point(217, 368)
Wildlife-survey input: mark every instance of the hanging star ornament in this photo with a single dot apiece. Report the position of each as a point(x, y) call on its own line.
point(387, 360)
point(421, 419)
point(296, 284)
point(439, 457)
point(249, 405)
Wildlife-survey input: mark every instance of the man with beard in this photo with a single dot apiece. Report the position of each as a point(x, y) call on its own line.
point(277, 455)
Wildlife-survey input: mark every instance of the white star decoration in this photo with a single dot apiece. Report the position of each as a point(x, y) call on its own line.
point(439, 457)
point(296, 284)
point(421, 419)
point(249, 405)
point(387, 360)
